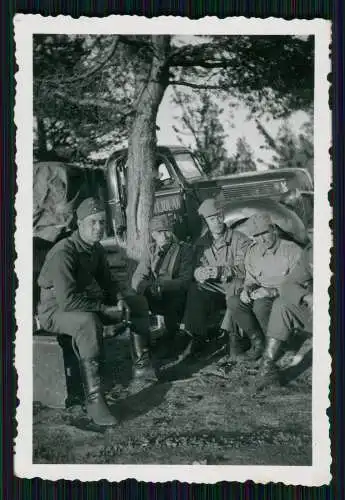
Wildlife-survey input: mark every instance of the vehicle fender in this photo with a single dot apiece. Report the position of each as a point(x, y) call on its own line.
point(237, 213)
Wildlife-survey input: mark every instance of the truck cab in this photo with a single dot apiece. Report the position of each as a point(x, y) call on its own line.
point(182, 184)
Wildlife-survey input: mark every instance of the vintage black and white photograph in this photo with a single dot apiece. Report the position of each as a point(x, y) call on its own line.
point(169, 183)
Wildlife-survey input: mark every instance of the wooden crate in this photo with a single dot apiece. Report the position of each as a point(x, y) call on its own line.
point(49, 382)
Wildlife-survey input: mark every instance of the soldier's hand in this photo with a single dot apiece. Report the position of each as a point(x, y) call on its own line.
point(155, 289)
point(261, 293)
point(212, 272)
point(226, 274)
point(244, 297)
point(308, 300)
point(200, 274)
point(113, 313)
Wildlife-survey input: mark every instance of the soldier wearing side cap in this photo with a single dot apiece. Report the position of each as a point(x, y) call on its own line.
point(164, 275)
point(78, 296)
point(269, 260)
point(218, 275)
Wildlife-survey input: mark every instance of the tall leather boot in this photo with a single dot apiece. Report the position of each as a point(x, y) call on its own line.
point(268, 373)
point(143, 371)
point(235, 348)
point(256, 348)
point(74, 385)
point(96, 406)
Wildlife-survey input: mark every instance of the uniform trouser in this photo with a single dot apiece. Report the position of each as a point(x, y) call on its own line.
point(286, 317)
point(86, 328)
point(251, 317)
point(170, 305)
point(203, 300)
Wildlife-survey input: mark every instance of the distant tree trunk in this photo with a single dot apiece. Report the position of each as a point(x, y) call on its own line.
point(142, 147)
point(41, 140)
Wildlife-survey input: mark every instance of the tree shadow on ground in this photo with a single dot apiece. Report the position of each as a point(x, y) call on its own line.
point(139, 404)
point(290, 373)
point(188, 366)
point(125, 408)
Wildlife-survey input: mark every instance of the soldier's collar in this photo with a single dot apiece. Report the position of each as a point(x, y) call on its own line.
point(224, 238)
point(86, 247)
point(272, 250)
point(162, 250)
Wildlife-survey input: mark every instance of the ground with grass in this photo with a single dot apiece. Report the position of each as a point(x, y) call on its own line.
point(204, 410)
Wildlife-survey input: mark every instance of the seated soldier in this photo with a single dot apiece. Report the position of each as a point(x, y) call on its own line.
point(164, 274)
point(268, 262)
point(78, 296)
point(219, 275)
point(291, 311)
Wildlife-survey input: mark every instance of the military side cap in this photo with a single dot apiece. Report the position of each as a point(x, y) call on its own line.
point(88, 207)
point(209, 207)
point(161, 222)
point(259, 223)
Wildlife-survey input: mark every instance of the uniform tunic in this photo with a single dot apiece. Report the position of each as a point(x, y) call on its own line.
point(171, 268)
point(75, 277)
point(267, 268)
point(288, 311)
point(227, 253)
point(75, 284)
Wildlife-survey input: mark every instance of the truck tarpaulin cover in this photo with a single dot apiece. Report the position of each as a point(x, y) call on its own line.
point(58, 188)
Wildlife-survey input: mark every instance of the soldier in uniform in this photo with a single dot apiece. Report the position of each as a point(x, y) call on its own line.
point(78, 296)
point(291, 311)
point(268, 262)
point(164, 275)
point(218, 276)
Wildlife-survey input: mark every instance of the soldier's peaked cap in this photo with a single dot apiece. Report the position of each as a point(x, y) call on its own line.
point(260, 223)
point(90, 206)
point(209, 207)
point(161, 222)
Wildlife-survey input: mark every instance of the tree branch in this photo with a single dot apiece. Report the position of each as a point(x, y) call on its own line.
point(268, 137)
point(136, 43)
point(100, 103)
point(199, 55)
point(199, 86)
point(96, 67)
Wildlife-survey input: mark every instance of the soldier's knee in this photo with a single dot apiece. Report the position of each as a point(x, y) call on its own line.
point(233, 302)
point(193, 289)
point(280, 311)
point(260, 307)
point(280, 308)
point(88, 334)
point(91, 321)
point(278, 304)
point(138, 305)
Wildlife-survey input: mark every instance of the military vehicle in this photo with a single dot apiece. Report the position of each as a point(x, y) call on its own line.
point(182, 184)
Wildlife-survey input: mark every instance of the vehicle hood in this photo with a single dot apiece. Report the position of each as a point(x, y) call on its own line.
point(237, 214)
point(250, 185)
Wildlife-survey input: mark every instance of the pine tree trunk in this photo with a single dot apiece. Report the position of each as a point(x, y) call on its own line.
point(41, 140)
point(142, 148)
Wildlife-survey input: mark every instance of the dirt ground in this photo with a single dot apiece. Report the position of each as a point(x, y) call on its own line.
point(203, 411)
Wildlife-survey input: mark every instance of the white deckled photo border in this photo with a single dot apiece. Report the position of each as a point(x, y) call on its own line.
point(319, 472)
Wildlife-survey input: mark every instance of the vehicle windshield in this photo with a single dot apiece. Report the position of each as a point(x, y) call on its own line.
point(188, 165)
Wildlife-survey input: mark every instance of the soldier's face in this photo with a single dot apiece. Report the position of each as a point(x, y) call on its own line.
point(91, 229)
point(161, 237)
point(216, 223)
point(268, 238)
